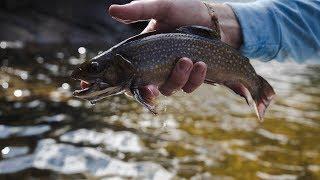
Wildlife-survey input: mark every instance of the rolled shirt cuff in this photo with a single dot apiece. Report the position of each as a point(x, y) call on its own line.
point(260, 31)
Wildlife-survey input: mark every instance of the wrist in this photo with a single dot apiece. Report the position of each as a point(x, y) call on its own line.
point(228, 24)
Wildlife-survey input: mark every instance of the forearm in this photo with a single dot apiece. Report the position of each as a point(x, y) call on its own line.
point(279, 29)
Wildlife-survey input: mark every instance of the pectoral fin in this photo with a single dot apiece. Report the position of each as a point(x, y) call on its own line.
point(149, 105)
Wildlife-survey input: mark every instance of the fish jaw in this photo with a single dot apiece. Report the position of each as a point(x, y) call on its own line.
point(97, 90)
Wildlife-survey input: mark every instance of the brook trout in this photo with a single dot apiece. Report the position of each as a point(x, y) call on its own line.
point(149, 59)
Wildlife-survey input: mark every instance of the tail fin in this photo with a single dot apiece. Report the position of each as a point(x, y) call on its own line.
point(263, 98)
point(260, 99)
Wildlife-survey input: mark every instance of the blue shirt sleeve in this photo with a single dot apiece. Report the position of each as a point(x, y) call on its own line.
point(280, 29)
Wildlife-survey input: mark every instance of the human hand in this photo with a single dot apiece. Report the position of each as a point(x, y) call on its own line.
point(164, 14)
point(168, 15)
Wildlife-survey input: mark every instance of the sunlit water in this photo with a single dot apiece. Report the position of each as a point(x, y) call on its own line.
point(211, 133)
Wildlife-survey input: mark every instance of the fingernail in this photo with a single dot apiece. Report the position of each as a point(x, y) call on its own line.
point(184, 66)
point(203, 72)
point(199, 69)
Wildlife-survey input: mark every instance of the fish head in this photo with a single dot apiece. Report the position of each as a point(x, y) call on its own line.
point(102, 76)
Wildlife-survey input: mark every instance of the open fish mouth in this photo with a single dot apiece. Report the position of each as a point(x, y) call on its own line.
point(94, 91)
point(85, 87)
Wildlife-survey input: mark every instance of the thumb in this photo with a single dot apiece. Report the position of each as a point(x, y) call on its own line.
point(140, 10)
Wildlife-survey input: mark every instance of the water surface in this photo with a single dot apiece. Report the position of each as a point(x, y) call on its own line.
point(211, 133)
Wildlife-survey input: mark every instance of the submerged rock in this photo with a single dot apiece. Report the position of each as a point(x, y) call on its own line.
point(123, 141)
point(8, 131)
point(68, 159)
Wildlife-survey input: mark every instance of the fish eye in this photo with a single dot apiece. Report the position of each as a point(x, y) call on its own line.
point(94, 67)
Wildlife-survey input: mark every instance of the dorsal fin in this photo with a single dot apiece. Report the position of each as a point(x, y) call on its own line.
point(136, 37)
point(195, 30)
point(200, 31)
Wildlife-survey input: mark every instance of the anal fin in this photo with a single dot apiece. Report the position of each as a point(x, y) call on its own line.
point(242, 91)
point(138, 97)
point(260, 100)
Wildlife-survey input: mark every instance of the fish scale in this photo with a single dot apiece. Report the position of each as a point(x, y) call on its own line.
point(147, 59)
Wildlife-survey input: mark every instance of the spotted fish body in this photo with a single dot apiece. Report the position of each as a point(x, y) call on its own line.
point(152, 57)
point(155, 56)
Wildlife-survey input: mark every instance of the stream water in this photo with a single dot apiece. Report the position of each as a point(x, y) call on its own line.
point(209, 134)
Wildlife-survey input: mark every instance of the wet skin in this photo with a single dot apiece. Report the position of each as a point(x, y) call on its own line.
point(186, 75)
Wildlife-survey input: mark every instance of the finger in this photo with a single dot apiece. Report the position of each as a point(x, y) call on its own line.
point(149, 92)
point(155, 25)
point(179, 76)
point(140, 10)
point(152, 25)
point(196, 78)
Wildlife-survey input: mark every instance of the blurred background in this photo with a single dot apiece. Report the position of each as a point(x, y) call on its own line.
point(45, 133)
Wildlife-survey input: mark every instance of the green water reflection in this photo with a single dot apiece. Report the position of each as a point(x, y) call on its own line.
point(208, 134)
